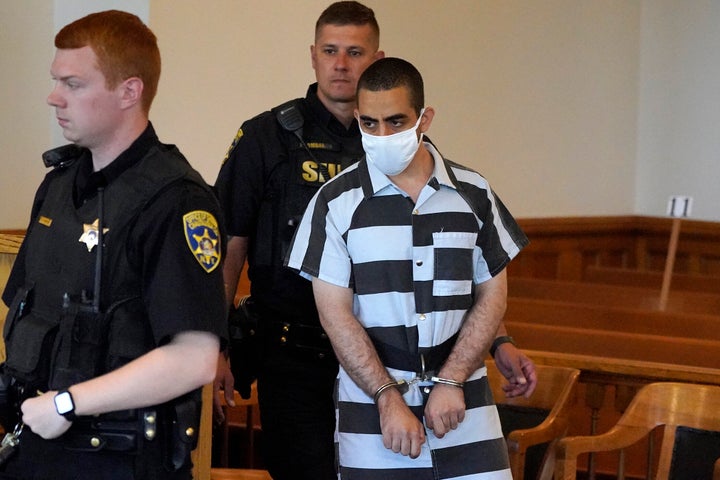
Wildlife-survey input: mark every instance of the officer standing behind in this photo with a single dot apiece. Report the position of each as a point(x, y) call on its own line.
point(116, 300)
point(276, 163)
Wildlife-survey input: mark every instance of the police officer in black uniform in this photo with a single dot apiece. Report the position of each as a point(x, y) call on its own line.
point(274, 166)
point(116, 299)
point(276, 163)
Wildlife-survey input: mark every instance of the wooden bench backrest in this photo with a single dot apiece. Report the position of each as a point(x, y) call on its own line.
point(613, 295)
point(616, 344)
point(652, 279)
point(611, 318)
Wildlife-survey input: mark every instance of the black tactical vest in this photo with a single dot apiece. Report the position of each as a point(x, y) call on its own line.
point(288, 191)
point(53, 338)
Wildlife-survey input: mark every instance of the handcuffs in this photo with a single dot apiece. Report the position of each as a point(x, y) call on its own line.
point(403, 385)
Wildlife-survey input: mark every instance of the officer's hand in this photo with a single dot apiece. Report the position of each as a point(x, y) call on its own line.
point(40, 415)
point(224, 384)
point(518, 369)
point(445, 409)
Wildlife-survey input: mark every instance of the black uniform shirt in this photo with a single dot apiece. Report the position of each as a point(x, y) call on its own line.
point(258, 153)
point(252, 157)
point(179, 294)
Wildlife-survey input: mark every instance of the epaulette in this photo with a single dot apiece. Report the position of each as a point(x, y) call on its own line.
point(61, 156)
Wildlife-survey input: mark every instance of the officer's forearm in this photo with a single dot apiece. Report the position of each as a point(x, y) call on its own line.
point(235, 256)
point(186, 363)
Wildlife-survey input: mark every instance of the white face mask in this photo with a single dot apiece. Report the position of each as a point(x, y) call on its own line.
point(392, 154)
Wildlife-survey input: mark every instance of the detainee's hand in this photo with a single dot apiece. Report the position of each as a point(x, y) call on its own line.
point(402, 432)
point(445, 409)
point(40, 415)
point(224, 384)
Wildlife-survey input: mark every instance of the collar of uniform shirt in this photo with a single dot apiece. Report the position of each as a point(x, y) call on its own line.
point(87, 182)
point(328, 119)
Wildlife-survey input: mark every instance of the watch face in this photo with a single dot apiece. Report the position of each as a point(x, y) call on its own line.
point(64, 403)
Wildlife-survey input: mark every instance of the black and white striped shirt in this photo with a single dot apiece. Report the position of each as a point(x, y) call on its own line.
point(412, 267)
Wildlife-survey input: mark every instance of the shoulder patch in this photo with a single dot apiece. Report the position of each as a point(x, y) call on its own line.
point(235, 141)
point(203, 238)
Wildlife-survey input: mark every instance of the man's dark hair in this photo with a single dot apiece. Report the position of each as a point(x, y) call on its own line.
point(348, 13)
point(388, 73)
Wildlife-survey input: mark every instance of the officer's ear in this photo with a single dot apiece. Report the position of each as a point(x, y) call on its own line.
point(313, 61)
point(130, 91)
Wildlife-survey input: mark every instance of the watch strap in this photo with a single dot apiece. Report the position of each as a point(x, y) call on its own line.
point(499, 341)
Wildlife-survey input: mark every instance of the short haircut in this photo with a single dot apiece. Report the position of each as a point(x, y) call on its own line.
point(348, 13)
point(388, 73)
point(125, 47)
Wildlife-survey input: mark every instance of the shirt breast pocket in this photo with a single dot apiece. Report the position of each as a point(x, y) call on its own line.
point(453, 252)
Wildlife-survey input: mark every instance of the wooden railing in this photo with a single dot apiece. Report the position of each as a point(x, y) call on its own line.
point(562, 248)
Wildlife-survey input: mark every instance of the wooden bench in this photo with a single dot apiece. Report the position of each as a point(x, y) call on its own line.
point(652, 279)
point(613, 319)
point(613, 295)
point(616, 344)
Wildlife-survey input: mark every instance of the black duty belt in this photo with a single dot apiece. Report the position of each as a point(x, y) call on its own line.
point(307, 340)
point(92, 434)
point(429, 360)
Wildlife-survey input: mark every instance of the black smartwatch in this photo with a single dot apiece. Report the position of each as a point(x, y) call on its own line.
point(65, 405)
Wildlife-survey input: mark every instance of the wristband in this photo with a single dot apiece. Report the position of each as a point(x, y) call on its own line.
point(400, 385)
point(499, 341)
point(447, 381)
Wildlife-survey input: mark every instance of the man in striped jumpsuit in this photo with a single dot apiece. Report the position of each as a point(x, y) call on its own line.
point(407, 254)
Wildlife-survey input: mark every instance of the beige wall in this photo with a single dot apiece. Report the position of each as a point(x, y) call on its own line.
point(26, 33)
point(679, 115)
point(542, 96)
point(538, 96)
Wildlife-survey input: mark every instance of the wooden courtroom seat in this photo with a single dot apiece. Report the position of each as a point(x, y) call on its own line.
point(235, 417)
point(239, 474)
point(202, 455)
point(243, 418)
point(681, 408)
point(533, 425)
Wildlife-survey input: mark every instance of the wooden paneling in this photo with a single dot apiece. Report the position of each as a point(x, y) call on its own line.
point(561, 248)
point(616, 351)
